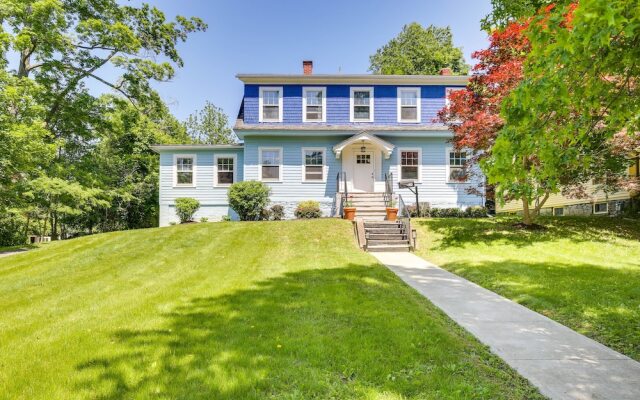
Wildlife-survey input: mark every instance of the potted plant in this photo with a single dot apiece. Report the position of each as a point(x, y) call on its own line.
point(392, 211)
point(349, 209)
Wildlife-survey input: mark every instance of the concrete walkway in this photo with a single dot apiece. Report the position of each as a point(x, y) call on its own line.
point(562, 363)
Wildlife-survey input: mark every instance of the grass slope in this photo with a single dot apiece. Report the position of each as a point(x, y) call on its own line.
point(286, 310)
point(581, 272)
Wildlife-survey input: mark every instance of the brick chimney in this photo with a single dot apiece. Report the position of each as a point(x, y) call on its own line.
point(307, 67)
point(446, 71)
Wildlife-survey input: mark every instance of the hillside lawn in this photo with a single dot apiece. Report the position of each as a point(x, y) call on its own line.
point(286, 310)
point(582, 272)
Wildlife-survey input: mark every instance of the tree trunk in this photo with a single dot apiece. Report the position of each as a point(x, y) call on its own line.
point(527, 218)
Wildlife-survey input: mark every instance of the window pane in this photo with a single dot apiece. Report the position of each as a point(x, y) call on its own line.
point(314, 113)
point(457, 174)
point(409, 113)
point(361, 97)
point(225, 177)
point(363, 158)
point(457, 158)
point(184, 164)
point(270, 157)
point(270, 97)
point(313, 157)
point(270, 172)
point(361, 112)
point(271, 112)
point(408, 98)
point(314, 97)
point(558, 212)
point(313, 173)
point(225, 164)
point(409, 173)
point(409, 158)
point(185, 178)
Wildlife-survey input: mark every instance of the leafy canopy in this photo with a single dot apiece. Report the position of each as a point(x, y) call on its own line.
point(419, 51)
point(209, 126)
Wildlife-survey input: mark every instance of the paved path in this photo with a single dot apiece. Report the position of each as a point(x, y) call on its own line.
point(562, 363)
point(11, 252)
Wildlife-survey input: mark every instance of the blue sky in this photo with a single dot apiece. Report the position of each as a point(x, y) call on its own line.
point(275, 36)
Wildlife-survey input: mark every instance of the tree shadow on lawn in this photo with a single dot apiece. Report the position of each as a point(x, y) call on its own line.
point(341, 333)
point(457, 232)
point(602, 303)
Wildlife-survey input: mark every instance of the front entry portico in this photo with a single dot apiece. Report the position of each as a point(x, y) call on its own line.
point(362, 157)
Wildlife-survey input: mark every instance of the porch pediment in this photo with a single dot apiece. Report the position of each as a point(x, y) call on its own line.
point(367, 138)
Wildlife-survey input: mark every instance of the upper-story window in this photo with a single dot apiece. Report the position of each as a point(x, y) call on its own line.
point(456, 161)
point(185, 170)
point(270, 104)
point(447, 94)
point(361, 104)
point(314, 104)
point(408, 104)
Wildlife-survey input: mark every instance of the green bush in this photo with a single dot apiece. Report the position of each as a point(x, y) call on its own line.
point(277, 212)
point(425, 209)
point(204, 219)
point(225, 218)
point(12, 229)
point(248, 199)
point(475, 212)
point(186, 207)
point(308, 209)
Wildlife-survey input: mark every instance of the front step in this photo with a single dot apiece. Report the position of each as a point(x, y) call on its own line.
point(390, 247)
point(386, 236)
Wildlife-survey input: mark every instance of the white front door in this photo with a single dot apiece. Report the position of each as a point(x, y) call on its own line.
point(363, 172)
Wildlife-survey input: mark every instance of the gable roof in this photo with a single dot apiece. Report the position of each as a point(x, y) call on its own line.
point(386, 147)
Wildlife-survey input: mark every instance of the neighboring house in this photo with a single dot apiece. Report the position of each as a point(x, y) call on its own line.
point(597, 202)
point(310, 137)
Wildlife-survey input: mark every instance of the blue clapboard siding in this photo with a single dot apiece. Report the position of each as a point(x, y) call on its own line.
point(292, 188)
point(213, 200)
point(385, 104)
point(433, 187)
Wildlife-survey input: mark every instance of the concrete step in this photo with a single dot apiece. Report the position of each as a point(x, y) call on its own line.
point(389, 247)
point(382, 224)
point(386, 236)
point(372, 208)
point(366, 195)
point(367, 203)
point(386, 241)
point(384, 231)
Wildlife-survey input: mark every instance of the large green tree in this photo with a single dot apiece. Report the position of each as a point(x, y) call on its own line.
point(209, 126)
point(418, 50)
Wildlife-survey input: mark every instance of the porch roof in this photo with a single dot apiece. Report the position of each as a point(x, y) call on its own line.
point(386, 147)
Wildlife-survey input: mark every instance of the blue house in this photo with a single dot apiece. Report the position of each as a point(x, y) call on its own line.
point(315, 137)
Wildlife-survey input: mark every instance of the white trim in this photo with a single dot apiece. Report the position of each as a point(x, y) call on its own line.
point(606, 203)
point(194, 157)
point(371, 103)
point(418, 104)
point(448, 90)
point(399, 161)
point(280, 96)
point(260, 149)
point(324, 103)
point(324, 164)
point(215, 168)
point(448, 169)
point(354, 79)
point(387, 147)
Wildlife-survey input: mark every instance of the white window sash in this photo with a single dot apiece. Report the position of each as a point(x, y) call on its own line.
point(418, 104)
point(234, 157)
point(323, 117)
point(449, 166)
point(412, 149)
point(261, 117)
point(194, 169)
point(352, 104)
point(324, 163)
point(260, 164)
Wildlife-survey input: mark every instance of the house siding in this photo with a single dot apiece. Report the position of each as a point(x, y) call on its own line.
point(432, 98)
point(213, 200)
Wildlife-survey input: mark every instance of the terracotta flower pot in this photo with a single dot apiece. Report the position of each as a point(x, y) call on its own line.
point(392, 214)
point(349, 213)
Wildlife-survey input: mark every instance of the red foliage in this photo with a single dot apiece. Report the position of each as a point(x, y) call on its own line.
point(473, 114)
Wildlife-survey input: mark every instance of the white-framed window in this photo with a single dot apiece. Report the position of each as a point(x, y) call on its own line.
point(270, 103)
point(361, 104)
point(409, 105)
point(270, 164)
point(447, 93)
point(184, 170)
point(558, 211)
point(225, 166)
point(314, 104)
point(601, 208)
point(456, 161)
point(409, 164)
point(313, 162)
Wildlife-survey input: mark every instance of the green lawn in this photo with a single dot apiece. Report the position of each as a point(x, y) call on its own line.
point(581, 272)
point(282, 310)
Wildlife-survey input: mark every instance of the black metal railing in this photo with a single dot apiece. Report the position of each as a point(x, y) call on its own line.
point(404, 217)
point(341, 187)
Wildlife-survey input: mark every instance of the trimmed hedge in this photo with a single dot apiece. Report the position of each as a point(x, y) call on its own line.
point(308, 209)
point(185, 208)
point(454, 212)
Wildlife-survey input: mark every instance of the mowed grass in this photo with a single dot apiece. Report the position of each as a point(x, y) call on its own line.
point(281, 310)
point(581, 272)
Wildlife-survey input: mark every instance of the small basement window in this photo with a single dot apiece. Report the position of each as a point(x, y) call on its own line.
point(409, 165)
point(601, 208)
point(409, 105)
point(313, 165)
point(558, 211)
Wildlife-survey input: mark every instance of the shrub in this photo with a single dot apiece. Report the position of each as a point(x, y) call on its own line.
point(470, 212)
point(248, 198)
point(204, 219)
point(475, 212)
point(12, 229)
point(186, 207)
point(277, 212)
point(265, 214)
point(425, 209)
point(226, 218)
point(308, 209)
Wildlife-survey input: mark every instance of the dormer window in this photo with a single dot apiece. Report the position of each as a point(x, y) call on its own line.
point(270, 104)
point(361, 104)
point(408, 104)
point(313, 104)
